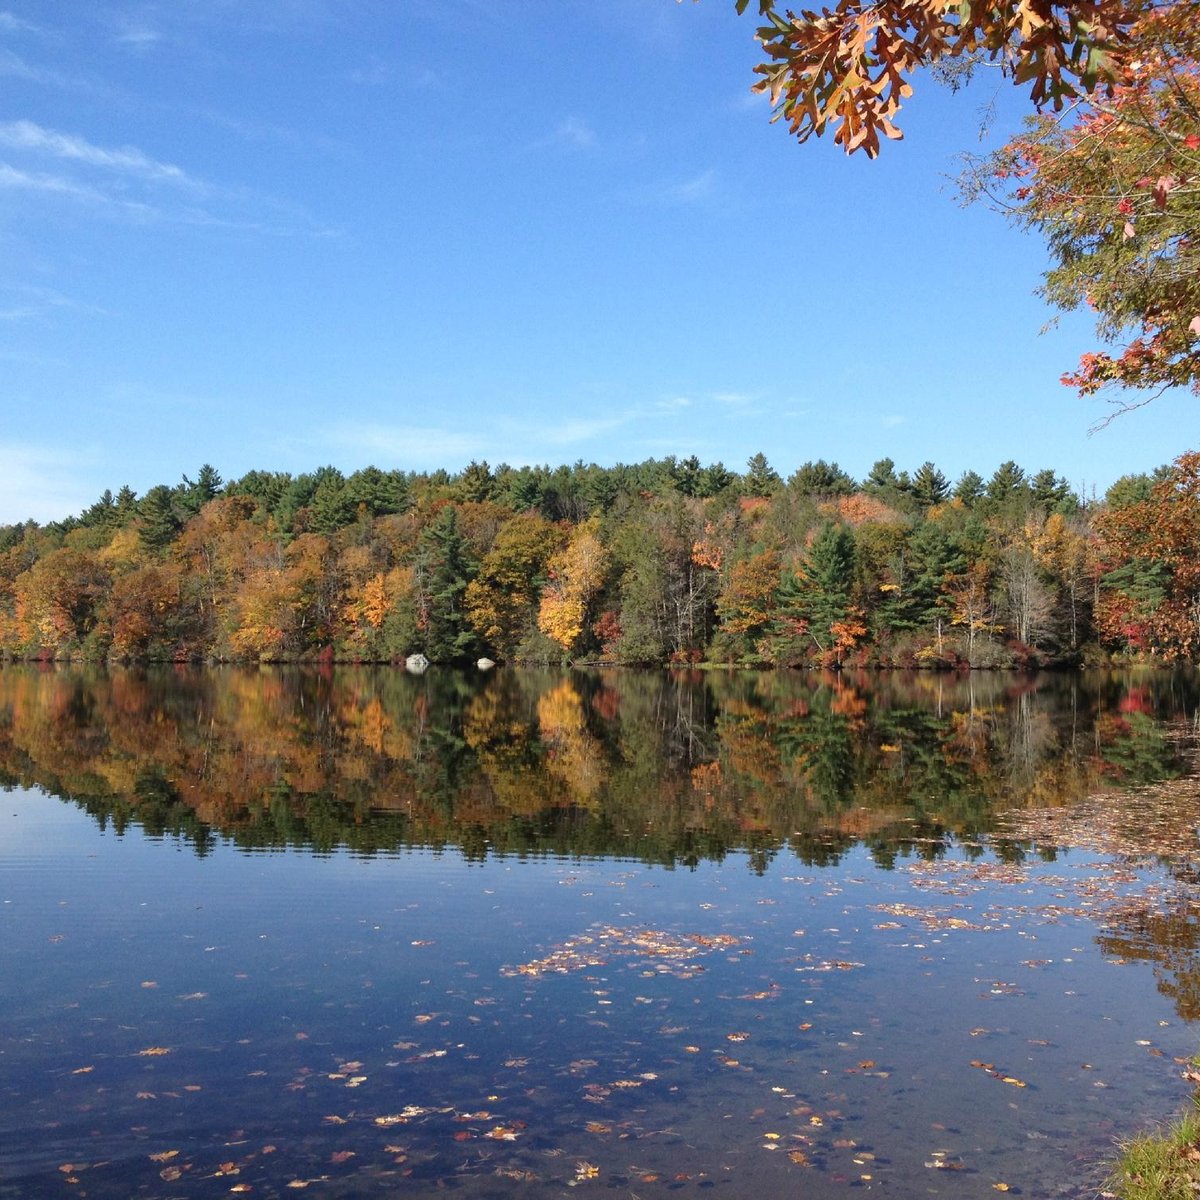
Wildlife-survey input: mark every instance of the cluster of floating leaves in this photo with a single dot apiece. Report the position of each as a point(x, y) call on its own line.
point(1157, 821)
point(671, 953)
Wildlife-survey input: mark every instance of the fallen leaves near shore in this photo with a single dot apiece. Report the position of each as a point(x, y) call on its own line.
point(1158, 821)
point(671, 953)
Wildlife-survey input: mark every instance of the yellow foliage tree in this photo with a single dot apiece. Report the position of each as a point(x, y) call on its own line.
point(577, 574)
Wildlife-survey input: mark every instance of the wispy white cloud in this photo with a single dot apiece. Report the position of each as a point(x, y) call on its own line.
point(414, 445)
point(19, 302)
point(105, 176)
point(26, 135)
point(438, 446)
point(13, 179)
point(673, 404)
point(752, 101)
point(697, 189)
point(572, 132)
point(138, 36)
point(265, 131)
point(40, 482)
point(15, 67)
point(573, 430)
point(11, 23)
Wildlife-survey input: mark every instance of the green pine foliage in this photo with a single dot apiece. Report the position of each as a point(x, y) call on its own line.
point(687, 562)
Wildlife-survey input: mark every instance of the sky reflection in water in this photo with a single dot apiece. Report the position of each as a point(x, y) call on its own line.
point(849, 976)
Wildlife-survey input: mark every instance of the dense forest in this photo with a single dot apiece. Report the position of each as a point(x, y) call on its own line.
point(666, 561)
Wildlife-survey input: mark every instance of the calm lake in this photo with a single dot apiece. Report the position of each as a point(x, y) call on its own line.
point(355, 933)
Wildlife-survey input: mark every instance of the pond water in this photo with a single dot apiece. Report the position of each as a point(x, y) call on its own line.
point(352, 933)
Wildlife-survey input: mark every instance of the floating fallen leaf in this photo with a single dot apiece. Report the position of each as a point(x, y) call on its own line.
point(153, 1051)
point(164, 1156)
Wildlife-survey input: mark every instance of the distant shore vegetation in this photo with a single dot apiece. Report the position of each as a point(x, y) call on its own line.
point(663, 562)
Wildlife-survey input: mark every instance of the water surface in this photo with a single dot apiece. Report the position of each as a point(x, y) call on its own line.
point(354, 933)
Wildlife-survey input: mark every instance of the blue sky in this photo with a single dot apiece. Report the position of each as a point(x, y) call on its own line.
point(282, 233)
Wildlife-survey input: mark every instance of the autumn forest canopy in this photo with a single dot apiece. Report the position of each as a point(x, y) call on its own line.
point(664, 561)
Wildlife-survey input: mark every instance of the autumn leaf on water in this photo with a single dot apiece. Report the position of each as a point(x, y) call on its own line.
point(153, 1051)
point(503, 1133)
point(586, 1170)
point(164, 1156)
point(341, 1156)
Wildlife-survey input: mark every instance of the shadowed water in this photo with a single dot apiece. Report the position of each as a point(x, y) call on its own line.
point(356, 932)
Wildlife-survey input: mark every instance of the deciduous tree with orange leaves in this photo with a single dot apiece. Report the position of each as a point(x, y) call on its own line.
point(1108, 172)
point(1151, 597)
point(1115, 191)
point(848, 68)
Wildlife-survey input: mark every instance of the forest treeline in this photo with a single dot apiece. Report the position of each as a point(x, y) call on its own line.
point(666, 561)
